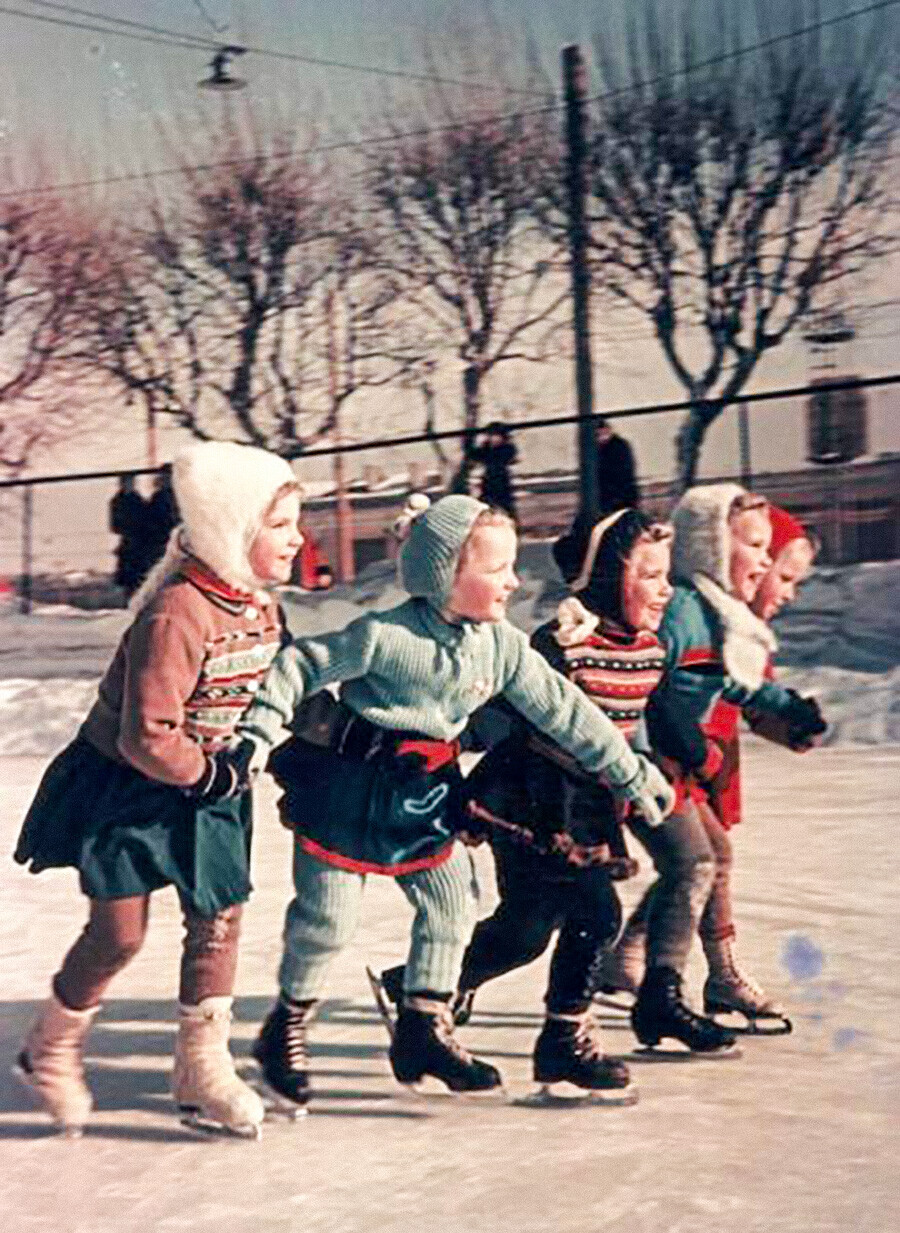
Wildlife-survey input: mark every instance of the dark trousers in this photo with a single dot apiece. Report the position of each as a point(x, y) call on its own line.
point(538, 895)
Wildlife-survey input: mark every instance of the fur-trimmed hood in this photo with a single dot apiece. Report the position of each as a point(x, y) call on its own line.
point(700, 557)
point(223, 491)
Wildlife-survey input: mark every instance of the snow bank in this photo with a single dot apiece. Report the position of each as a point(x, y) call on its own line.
point(840, 641)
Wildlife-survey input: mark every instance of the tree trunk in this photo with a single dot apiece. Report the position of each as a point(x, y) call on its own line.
point(688, 443)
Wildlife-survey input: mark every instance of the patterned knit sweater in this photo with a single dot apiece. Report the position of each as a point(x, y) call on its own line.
point(183, 675)
point(408, 669)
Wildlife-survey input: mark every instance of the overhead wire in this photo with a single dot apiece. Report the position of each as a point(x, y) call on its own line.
point(160, 35)
point(356, 143)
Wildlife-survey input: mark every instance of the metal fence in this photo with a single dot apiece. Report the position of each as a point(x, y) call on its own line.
point(56, 545)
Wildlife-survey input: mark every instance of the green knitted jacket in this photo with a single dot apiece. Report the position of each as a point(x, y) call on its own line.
point(410, 670)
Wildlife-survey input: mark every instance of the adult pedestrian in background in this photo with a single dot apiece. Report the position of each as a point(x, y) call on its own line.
point(128, 520)
point(162, 516)
point(616, 474)
point(497, 455)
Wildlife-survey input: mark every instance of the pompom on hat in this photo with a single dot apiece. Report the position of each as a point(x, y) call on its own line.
point(430, 552)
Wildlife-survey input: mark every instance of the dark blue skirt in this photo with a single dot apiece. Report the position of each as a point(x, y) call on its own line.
point(130, 835)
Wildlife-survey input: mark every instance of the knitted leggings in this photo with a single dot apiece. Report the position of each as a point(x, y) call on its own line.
point(322, 920)
point(716, 922)
point(114, 934)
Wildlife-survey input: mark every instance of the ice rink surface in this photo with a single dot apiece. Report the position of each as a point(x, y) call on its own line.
point(798, 1136)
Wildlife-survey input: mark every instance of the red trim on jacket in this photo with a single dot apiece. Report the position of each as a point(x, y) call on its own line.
point(355, 866)
point(697, 656)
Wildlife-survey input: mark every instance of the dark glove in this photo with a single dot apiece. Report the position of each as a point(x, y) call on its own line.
point(795, 726)
point(226, 774)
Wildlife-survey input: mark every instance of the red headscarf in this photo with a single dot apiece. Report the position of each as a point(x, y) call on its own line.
point(785, 529)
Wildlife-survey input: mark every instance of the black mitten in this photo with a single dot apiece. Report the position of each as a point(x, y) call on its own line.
point(226, 774)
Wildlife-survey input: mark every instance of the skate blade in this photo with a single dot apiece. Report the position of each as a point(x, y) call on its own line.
point(762, 1025)
point(278, 1107)
point(193, 1119)
point(382, 1001)
point(431, 1089)
point(567, 1096)
point(657, 1053)
point(60, 1128)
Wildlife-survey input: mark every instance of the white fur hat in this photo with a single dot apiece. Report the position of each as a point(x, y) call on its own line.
point(702, 543)
point(223, 491)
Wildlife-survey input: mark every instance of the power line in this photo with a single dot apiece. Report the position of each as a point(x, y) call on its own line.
point(130, 177)
point(210, 21)
point(161, 36)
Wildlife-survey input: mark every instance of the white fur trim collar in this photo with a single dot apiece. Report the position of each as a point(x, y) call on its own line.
point(747, 642)
point(575, 622)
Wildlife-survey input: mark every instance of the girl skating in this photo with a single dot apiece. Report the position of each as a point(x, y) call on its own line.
point(715, 647)
point(383, 795)
point(146, 796)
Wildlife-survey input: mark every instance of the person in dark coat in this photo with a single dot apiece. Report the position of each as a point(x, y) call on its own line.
point(161, 516)
point(127, 520)
point(616, 475)
point(497, 455)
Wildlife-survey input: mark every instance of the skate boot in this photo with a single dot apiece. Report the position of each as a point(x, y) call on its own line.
point(568, 1051)
point(620, 969)
point(424, 1044)
point(281, 1051)
point(660, 1011)
point(51, 1064)
point(209, 1094)
point(728, 990)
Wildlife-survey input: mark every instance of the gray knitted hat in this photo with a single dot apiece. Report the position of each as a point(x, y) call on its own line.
point(429, 557)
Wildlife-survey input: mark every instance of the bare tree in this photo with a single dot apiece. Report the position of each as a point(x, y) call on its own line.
point(459, 202)
point(45, 255)
point(728, 198)
point(223, 309)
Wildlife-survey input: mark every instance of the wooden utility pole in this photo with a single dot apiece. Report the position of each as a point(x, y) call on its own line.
point(746, 467)
point(575, 91)
point(346, 563)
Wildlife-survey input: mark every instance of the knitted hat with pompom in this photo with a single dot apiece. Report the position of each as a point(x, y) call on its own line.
point(430, 554)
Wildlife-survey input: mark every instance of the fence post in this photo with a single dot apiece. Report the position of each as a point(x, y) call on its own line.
point(25, 580)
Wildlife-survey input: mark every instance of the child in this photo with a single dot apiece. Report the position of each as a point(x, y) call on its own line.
point(146, 794)
point(602, 640)
point(384, 796)
point(715, 647)
point(729, 989)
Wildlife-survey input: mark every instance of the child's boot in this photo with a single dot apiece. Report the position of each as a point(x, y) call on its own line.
point(207, 1090)
point(568, 1050)
point(424, 1044)
point(281, 1050)
point(51, 1063)
point(728, 990)
point(660, 1011)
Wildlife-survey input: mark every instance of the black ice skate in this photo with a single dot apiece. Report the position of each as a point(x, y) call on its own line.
point(388, 994)
point(281, 1052)
point(424, 1044)
point(660, 1012)
point(568, 1053)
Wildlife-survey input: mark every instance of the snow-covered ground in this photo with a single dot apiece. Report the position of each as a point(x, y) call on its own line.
point(797, 1136)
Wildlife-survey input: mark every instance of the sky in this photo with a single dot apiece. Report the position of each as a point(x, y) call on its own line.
point(97, 104)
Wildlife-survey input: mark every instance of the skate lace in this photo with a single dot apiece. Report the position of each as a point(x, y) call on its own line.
point(295, 1040)
point(443, 1029)
point(586, 1043)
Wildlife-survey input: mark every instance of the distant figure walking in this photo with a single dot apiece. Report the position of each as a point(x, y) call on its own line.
point(161, 516)
point(128, 520)
point(497, 455)
point(462, 481)
point(616, 474)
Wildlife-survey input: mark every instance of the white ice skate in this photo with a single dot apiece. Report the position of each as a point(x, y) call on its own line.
point(210, 1095)
point(51, 1064)
point(729, 991)
point(620, 969)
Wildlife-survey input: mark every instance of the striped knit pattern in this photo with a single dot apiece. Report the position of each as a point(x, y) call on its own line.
point(231, 673)
point(618, 672)
point(322, 920)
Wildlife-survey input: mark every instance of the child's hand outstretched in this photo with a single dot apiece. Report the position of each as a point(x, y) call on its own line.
point(649, 792)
